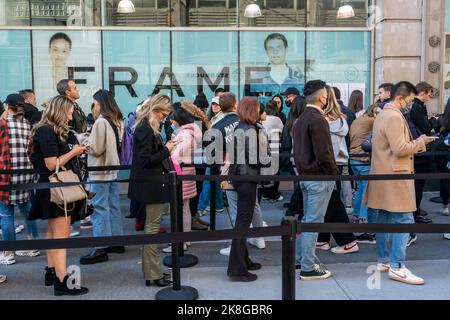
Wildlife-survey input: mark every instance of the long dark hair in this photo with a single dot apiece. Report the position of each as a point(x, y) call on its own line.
point(297, 108)
point(108, 106)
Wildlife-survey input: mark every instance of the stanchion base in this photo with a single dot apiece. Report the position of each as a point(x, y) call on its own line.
point(436, 200)
point(186, 261)
point(186, 293)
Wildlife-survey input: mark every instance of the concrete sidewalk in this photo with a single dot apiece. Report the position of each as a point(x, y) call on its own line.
point(121, 277)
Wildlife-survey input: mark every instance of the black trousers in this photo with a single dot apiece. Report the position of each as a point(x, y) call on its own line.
point(420, 167)
point(193, 203)
point(336, 213)
point(239, 260)
point(444, 185)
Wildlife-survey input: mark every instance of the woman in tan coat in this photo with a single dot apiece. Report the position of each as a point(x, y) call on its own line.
point(393, 150)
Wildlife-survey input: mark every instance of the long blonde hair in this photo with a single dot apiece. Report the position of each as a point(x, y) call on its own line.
point(196, 112)
point(333, 109)
point(55, 115)
point(156, 103)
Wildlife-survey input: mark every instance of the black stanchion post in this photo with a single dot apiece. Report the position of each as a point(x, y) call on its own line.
point(288, 259)
point(177, 291)
point(185, 260)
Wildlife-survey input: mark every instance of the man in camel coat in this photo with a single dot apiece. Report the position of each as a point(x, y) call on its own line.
point(393, 150)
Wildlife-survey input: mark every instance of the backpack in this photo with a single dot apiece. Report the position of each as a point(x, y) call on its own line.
point(126, 152)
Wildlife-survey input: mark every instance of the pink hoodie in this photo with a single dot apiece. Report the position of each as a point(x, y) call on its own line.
point(188, 136)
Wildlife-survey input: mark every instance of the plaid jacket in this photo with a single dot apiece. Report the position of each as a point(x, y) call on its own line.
point(14, 137)
point(5, 160)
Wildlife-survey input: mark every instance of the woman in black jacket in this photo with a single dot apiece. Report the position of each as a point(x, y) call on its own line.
point(150, 160)
point(249, 140)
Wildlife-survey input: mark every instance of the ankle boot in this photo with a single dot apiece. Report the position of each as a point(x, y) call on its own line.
point(50, 276)
point(61, 288)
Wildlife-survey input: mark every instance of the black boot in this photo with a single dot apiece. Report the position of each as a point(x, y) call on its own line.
point(50, 276)
point(61, 288)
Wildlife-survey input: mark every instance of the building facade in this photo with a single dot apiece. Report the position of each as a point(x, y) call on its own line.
point(181, 47)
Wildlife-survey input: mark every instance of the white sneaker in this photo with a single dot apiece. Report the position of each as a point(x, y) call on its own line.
point(447, 236)
point(2, 278)
point(225, 251)
point(73, 232)
point(444, 212)
point(7, 260)
point(19, 228)
point(265, 224)
point(349, 248)
point(404, 275)
point(383, 267)
point(28, 253)
point(323, 246)
point(257, 242)
point(169, 248)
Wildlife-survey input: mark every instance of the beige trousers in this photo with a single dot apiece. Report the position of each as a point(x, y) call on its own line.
point(150, 255)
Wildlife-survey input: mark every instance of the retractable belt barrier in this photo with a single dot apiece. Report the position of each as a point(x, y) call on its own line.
point(288, 229)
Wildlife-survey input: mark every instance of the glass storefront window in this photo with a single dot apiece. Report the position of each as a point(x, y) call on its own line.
point(14, 13)
point(275, 13)
point(70, 13)
point(447, 15)
point(15, 62)
point(149, 13)
point(324, 13)
point(195, 70)
point(342, 59)
point(135, 64)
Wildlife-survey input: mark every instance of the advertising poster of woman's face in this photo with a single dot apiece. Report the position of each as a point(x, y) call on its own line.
point(67, 54)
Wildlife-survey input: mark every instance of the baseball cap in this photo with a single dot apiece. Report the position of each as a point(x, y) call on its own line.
point(14, 99)
point(313, 86)
point(291, 90)
point(215, 100)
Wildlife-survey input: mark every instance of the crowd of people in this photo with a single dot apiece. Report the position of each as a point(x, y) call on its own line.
point(320, 136)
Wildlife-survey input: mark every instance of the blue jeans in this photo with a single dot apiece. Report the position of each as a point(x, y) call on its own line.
point(107, 217)
point(257, 220)
point(359, 209)
point(204, 199)
point(7, 221)
point(316, 196)
point(397, 255)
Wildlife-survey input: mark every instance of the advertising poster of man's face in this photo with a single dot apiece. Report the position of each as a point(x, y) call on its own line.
point(66, 54)
point(274, 63)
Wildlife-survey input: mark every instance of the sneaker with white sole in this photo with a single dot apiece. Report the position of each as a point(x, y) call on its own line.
point(225, 251)
point(447, 236)
point(2, 278)
point(404, 275)
point(73, 232)
point(352, 247)
point(169, 248)
point(7, 260)
point(265, 224)
point(412, 239)
point(444, 211)
point(27, 253)
point(383, 267)
point(257, 242)
point(19, 228)
point(323, 246)
point(319, 273)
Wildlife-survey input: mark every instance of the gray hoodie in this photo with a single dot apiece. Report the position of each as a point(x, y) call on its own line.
point(338, 130)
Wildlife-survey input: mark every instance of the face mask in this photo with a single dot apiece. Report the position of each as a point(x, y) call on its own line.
point(174, 128)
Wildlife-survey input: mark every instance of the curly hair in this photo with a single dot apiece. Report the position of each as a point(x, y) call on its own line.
point(196, 112)
point(56, 116)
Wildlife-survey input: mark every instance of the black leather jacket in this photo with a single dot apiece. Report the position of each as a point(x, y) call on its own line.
point(251, 150)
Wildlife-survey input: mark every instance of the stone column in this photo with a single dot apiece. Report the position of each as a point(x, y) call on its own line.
point(398, 38)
